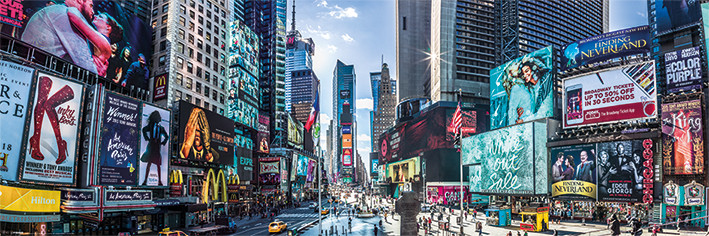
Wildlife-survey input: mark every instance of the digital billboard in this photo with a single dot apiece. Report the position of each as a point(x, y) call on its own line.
point(675, 14)
point(295, 132)
point(206, 136)
point(574, 172)
point(346, 129)
point(374, 166)
point(241, 111)
point(15, 85)
point(682, 138)
point(99, 36)
point(243, 48)
point(54, 128)
point(471, 123)
point(347, 141)
point(613, 95)
point(311, 170)
point(445, 195)
point(403, 171)
point(269, 165)
point(118, 154)
point(511, 160)
point(705, 26)
point(347, 157)
point(263, 134)
point(625, 171)
point(154, 146)
point(521, 89)
point(683, 70)
point(606, 46)
point(302, 169)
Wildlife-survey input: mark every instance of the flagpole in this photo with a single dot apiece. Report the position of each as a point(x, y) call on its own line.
point(460, 137)
point(317, 120)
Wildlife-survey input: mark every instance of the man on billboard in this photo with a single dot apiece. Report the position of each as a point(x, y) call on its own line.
point(138, 73)
point(558, 167)
point(153, 133)
point(584, 171)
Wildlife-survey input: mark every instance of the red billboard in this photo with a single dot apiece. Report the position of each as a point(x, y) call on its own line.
point(160, 87)
point(683, 138)
point(347, 157)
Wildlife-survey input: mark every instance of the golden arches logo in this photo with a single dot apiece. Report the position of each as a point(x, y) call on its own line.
point(161, 80)
point(176, 177)
point(220, 180)
point(234, 180)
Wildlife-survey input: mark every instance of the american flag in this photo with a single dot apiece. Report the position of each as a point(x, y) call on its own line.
point(457, 120)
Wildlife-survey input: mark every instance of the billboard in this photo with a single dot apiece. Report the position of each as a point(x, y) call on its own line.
point(403, 171)
point(521, 89)
point(625, 171)
point(346, 157)
point(243, 48)
point(374, 167)
point(705, 24)
point(118, 154)
point(445, 195)
point(618, 94)
point(470, 124)
point(160, 87)
point(206, 136)
point(508, 159)
point(15, 83)
point(683, 70)
point(682, 138)
point(269, 165)
point(263, 134)
point(295, 132)
point(675, 14)
point(154, 146)
point(53, 147)
point(103, 38)
point(606, 46)
point(243, 100)
point(346, 129)
point(302, 169)
point(311, 171)
point(347, 141)
point(574, 172)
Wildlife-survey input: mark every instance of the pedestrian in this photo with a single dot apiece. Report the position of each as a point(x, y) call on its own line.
point(525, 233)
point(518, 233)
point(615, 226)
point(375, 230)
point(509, 233)
point(555, 233)
point(544, 225)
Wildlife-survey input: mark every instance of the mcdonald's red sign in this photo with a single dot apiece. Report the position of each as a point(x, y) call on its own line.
point(160, 87)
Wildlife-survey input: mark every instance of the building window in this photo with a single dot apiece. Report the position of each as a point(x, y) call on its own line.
point(199, 72)
point(198, 87)
point(188, 98)
point(190, 39)
point(181, 34)
point(198, 102)
point(162, 60)
point(164, 19)
point(163, 45)
point(178, 79)
point(199, 57)
point(182, 21)
point(189, 67)
point(206, 91)
point(206, 104)
point(163, 32)
point(191, 27)
point(403, 23)
point(190, 52)
point(178, 95)
point(192, 14)
point(188, 83)
point(183, 9)
point(165, 7)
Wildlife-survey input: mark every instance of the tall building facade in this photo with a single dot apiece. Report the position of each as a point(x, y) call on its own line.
point(304, 86)
point(470, 37)
point(189, 41)
point(384, 96)
point(343, 110)
point(299, 56)
point(413, 48)
point(267, 19)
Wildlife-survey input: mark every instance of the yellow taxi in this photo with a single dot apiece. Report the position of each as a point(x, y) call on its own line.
point(325, 211)
point(167, 232)
point(277, 227)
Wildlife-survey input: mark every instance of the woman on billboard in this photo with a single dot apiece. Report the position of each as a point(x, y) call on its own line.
point(153, 133)
point(105, 31)
point(196, 145)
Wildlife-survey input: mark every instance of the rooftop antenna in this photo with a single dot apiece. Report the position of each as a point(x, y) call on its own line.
point(292, 24)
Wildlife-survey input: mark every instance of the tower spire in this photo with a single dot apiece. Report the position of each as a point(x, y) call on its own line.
point(292, 23)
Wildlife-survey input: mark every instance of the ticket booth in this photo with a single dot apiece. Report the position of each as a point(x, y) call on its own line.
point(498, 217)
point(534, 219)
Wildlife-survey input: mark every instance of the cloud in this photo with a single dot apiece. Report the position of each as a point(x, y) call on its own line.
point(639, 13)
point(363, 138)
point(364, 152)
point(319, 32)
point(339, 12)
point(365, 103)
point(331, 48)
point(322, 3)
point(347, 38)
point(325, 119)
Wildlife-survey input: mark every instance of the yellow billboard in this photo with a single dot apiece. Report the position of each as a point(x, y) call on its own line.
point(403, 171)
point(28, 200)
point(347, 141)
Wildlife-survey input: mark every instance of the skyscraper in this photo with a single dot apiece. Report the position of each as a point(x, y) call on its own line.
point(304, 86)
point(299, 56)
point(413, 48)
point(384, 104)
point(344, 107)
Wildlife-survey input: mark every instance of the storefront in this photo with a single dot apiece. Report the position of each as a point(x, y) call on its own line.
point(29, 211)
point(684, 203)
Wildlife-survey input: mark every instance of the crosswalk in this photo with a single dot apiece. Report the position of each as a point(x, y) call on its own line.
point(299, 215)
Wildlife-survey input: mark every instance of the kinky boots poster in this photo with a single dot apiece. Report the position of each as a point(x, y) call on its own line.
point(118, 153)
point(15, 84)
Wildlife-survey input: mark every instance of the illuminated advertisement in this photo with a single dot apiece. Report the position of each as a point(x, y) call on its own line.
point(521, 89)
point(154, 146)
point(676, 14)
point(469, 125)
point(346, 157)
point(374, 167)
point(574, 172)
point(241, 111)
point(446, 194)
point(101, 37)
point(295, 132)
point(29, 200)
point(683, 70)
point(693, 194)
point(625, 171)
point(118, 154)
point(346, 129)
point(269, 165)
point(245, 168)
point(613, 95)
point(52, 149)
point(705, 24)
point(403, 171)
point(15, 84)
point(512, 160)
point(682, 138)
point(346, 141)
point(206, 136)
point(606, 46)
point(302, 169)
point(263, 134)
point(160, 87)
point(243, 48)
point(311, 171)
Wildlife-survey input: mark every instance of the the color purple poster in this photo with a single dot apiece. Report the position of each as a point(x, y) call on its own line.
point(683, 70)
point(119, 141)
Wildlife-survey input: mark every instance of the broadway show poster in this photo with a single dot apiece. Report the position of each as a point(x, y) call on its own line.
point(622, 166)
point(618, 94)
point(54, 126)
point(682, 138)
point(99, 36)
point(311, 171)
point(263, 134)
point(154, 149)
point(676, 14)
point(606, 46)
point(683, 70)
point(15, 84)
point(206, 136)
point(521, 90)
point(118, 153)
point(574, 172)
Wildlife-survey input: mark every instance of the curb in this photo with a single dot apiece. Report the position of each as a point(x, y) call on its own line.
point(305, 226)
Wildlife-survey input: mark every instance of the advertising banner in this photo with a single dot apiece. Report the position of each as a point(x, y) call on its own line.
point(693, 194)
point(625, 171)
point(15, 84)
point(118, 154)
point(682, 138)
point(243, 48)
point(268, 167)
point(29, 200)
point(263, 134)
point(346, 129)
point(445, 195)
point(154, 146)
point(245, 168)
point(295, 132)
point(160, 87)
point(347, 141)
point(54, 128)
point(242, 103)
point(614, 95)
point(284, 173)
point(675, 14)
point(521, 89)
point(606, 46)
point(683, 69)
point(347, 157)
point(374, 167)
point(705, 27)
point(671, 193)
point(269, 179)
point(311, 171)
point(206, 136)
point(302, 169)
point(512, 160)
point(403, 171)
point(574, 172)
point(99, 36)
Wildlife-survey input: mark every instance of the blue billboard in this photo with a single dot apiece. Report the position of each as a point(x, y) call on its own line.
point(676, 14)
point(606, 46)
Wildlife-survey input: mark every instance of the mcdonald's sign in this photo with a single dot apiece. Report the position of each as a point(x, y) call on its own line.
point(160, 87)
point(175, 183)
point(220, 181)
point(233, 188)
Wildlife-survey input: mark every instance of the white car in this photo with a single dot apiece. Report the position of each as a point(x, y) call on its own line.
point(313, 205)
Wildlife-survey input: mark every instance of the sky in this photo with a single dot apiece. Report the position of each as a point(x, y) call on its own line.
point(360, 32)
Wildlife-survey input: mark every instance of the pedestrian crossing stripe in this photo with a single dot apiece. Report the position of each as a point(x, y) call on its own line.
point(301, 215)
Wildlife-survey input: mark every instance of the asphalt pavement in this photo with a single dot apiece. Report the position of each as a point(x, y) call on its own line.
point(294, 217)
